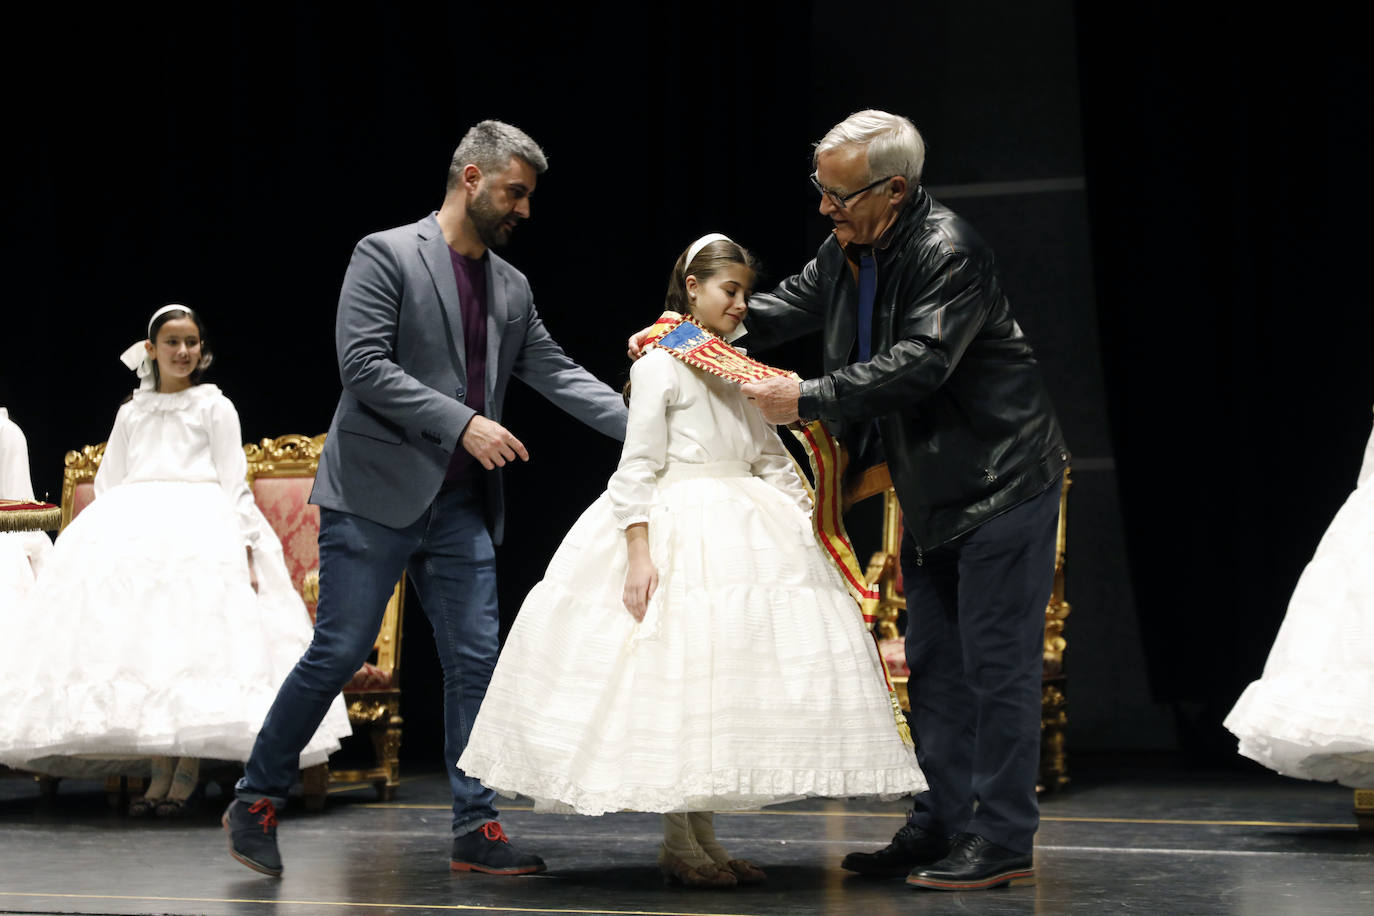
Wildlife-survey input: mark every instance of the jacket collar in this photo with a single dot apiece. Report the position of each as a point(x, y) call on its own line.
point(913, 215)
point(902, 228)
point(434, 251)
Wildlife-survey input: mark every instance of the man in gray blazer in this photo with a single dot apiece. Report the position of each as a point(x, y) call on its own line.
point(431, 326)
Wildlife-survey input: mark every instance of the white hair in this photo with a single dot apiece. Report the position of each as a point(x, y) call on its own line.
point(893, 143)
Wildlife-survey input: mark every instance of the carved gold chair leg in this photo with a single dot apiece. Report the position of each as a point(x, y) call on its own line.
point(1364, 809)
point(1054, 720)
point(1054, 712)
point(388, 744)
point(119, 789)
point(315, 786)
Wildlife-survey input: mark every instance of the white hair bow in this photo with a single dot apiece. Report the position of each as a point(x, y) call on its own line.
point(136, 358)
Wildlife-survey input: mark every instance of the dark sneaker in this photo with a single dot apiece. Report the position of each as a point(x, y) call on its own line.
point(975, 863)
point(910, 847)
point(489, 851)
point(252, 833)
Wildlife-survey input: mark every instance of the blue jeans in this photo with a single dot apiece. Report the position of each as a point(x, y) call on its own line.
point(452, 564)
point(975, 645)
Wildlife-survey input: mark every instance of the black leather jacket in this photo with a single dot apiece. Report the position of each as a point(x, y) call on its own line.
point(966, 422)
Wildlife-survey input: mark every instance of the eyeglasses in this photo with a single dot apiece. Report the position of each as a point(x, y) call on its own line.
point(842, 201)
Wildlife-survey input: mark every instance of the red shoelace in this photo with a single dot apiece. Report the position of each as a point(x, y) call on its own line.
point(269, 817)
point(493, 831)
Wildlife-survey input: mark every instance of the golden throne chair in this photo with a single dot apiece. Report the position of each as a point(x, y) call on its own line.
point(885, 572)
point(281, 473)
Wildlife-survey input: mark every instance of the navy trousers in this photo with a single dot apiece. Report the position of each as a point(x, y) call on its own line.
point(974, 643)
point(449, 556)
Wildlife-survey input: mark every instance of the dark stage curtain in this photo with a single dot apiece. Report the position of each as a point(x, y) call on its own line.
point(231, 156)
point(1228, 182)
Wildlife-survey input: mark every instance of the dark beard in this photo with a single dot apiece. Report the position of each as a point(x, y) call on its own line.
point(487, 220)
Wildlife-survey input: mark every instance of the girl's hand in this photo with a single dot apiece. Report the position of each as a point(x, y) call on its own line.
point(641, 581)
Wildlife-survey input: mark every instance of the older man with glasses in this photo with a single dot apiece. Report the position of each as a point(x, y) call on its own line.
point(924, 367)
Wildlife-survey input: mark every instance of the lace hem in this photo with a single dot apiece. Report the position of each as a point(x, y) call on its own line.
point(723, 789)
point(1309, 726)
point(1308, 708)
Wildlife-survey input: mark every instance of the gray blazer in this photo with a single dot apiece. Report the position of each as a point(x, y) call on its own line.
point(399, 338)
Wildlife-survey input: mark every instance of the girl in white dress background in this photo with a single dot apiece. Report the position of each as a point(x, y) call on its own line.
point(1311, 714)
point(690, 649)
point(164, 620)
point(22, 553)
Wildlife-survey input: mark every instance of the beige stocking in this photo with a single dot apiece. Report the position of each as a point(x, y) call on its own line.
point(678, 841)
point(185, 778)
point(703, 825)
point(161, 780)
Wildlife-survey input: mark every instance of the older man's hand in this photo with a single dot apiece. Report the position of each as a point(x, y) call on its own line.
point(776, 398)
point(634, 347)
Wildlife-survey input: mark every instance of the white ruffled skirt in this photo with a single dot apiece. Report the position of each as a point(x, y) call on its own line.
point(751, 680)
point(143, 637)
point(1311, 714)
point(19, 563)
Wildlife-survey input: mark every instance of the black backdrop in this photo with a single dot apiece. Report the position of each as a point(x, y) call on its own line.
point(1227, 165)
point(231, 159)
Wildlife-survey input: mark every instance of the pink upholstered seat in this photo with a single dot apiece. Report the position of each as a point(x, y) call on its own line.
point(82, 495)
point(894, 655)
point(285, 502)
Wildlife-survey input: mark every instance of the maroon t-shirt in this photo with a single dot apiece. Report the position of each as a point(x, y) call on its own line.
point(471, 276)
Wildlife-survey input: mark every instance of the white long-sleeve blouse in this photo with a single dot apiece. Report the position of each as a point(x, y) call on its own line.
point(192, 435)
point(683, 415)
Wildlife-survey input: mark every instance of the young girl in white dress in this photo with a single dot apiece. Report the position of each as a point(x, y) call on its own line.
point(164, 620)
point(1311, 714)
point(690, 649)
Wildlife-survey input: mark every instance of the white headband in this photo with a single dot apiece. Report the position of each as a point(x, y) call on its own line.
point(701, 243)
point(162, 311)
point(136, 355)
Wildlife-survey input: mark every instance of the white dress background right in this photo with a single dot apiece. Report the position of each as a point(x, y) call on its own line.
point(1311, 714)
point(22, 553)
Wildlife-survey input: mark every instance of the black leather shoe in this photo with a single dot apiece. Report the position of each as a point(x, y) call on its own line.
point(910, 847)
point(974, 863)
point(489, 851)
point(252, 833)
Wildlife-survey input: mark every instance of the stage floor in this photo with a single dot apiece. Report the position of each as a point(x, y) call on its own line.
point(1138, 841)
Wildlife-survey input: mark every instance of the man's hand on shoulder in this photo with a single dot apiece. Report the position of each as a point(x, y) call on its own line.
point(634, 348)
point(491, 443)
point(775, 397)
